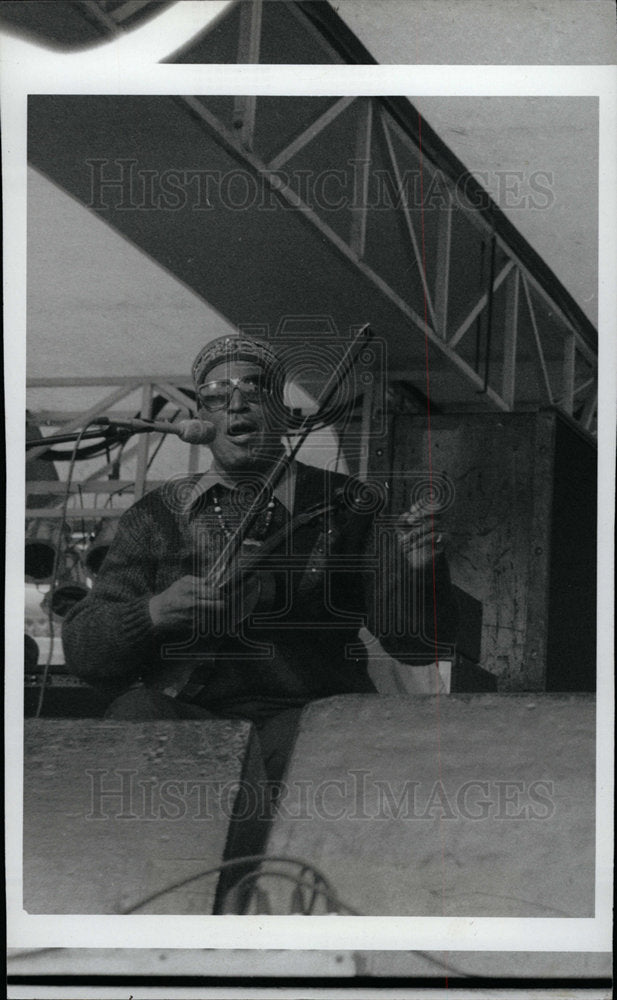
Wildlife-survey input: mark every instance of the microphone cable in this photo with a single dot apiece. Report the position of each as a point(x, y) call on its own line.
point(58, 553)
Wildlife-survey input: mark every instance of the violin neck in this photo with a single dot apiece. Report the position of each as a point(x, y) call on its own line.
point(219, 572)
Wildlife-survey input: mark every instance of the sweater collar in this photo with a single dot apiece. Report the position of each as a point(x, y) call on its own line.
point(284, 491)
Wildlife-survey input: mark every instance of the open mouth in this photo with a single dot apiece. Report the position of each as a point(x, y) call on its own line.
point(242, 431)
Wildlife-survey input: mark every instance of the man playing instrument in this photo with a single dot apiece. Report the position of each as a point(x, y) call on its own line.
point(279, 626)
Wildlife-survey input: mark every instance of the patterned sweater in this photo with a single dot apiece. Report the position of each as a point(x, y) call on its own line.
point(337, 571)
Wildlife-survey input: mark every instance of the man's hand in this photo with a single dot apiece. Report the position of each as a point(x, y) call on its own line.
point(188, 599)
point(418, 535)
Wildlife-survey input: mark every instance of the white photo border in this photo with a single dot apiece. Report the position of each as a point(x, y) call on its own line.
point(99, 73)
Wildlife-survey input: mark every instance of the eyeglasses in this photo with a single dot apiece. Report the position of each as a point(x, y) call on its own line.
point(217, 395)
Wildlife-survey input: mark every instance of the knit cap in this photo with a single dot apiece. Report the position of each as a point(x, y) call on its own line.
point(238, 348)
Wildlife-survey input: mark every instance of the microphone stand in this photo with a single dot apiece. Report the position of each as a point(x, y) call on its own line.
point(64, 438)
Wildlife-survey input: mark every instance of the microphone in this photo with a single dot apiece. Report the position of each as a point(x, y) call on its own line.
point(190, 431)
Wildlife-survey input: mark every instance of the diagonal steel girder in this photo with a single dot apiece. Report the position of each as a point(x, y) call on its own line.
point(277, 183)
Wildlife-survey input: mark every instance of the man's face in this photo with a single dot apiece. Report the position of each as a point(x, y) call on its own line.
point(248, 438)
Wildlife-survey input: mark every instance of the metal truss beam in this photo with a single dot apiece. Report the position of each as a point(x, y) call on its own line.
point(97, 12)
point(581, 344)
point(94, 411)
point(457, 194)
point(436, 330)
point(313, 130)
point(273, 179)
point(508, 378)
point(442, 275)
point(249, 42)
point(128, 9)
point(481, 304)
point(142, 449)
point(418, 256)
point(534, 326)
point(590, 410)
point(436, 290)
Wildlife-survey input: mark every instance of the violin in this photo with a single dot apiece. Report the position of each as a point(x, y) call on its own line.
point(249, 580)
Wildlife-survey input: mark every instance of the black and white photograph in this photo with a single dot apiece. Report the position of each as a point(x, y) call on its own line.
point(310, 394)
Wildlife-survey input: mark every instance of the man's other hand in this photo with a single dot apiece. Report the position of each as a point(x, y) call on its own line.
point(418, 535)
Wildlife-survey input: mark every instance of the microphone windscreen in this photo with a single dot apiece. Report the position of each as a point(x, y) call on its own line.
point(197, 432)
